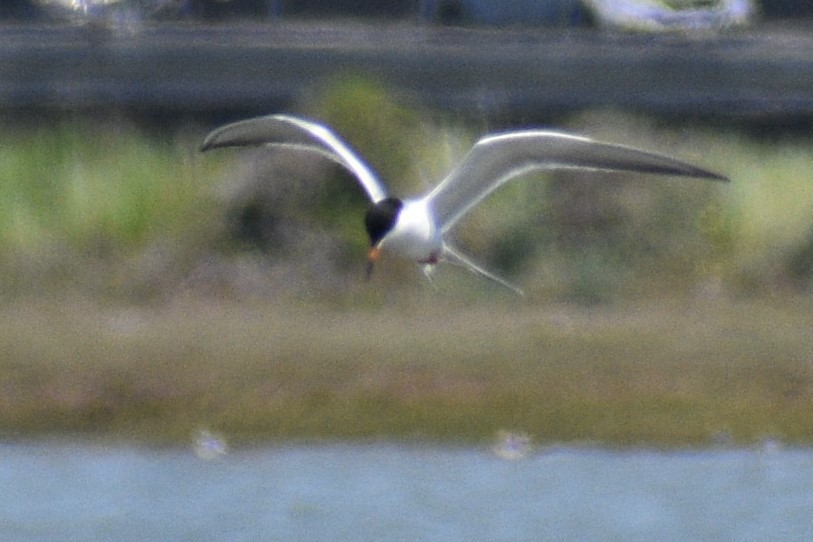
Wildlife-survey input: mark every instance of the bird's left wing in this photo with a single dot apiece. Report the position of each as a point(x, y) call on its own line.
point(288, 131)
point(499, 158)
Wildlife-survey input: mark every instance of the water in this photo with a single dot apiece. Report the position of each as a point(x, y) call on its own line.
point(58, 491)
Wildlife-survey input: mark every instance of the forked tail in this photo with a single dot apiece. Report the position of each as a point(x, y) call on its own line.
point(451, 255)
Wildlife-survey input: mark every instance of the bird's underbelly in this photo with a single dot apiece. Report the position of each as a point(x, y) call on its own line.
point(414, 237)
point(414, 245)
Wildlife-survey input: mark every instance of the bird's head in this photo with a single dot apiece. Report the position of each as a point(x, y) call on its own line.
point(379, 220)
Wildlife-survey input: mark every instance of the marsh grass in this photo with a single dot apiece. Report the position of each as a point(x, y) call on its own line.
point(653, 374)
point(92, 183)
point(115, 322)
point(89, 203)
point(103, 204)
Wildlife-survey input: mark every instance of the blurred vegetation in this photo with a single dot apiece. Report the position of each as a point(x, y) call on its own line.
point(109, 208)
point(650, 373)
point(97, 206)
point(149, 290)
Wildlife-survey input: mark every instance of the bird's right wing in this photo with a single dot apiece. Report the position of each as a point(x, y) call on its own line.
point(293, 132)
point(497, 159)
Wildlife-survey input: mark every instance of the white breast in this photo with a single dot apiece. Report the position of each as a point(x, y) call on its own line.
point(415, 235)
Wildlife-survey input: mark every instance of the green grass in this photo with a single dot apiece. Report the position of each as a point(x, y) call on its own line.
point(651, 374)
point(99, 205)
point(89, 184)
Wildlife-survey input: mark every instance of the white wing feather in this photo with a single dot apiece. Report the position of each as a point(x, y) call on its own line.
point(497, 159)
point(287, 131)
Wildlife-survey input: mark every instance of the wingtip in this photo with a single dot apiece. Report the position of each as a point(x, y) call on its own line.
point(700, 173)
point(716, 177)
point(209, 142)
point(206, 144)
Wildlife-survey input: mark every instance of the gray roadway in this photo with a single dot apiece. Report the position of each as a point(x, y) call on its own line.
point(260, 67)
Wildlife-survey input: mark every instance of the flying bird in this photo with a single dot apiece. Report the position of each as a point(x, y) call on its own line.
point(417, 228)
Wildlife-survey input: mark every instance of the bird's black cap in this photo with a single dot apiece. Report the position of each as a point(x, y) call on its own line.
point(381, 218)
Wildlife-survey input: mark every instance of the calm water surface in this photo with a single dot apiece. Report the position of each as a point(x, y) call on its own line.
point(58, 491)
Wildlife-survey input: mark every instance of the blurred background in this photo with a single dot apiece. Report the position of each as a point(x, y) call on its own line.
point(103, 103)
point(188, 346)
point(111, 220)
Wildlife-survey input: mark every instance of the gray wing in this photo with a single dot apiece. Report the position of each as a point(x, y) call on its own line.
point(497, 159)
point(293, 132)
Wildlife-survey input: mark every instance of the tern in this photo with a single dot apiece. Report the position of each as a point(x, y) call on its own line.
point(417, 228)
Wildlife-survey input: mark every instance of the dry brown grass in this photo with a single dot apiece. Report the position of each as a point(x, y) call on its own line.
point(661, 373)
